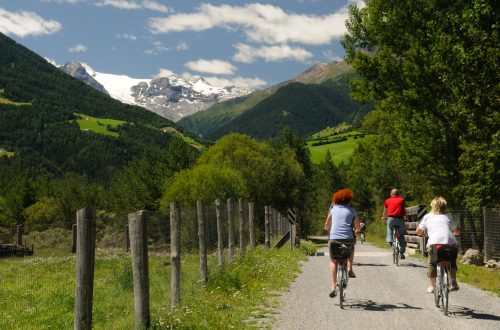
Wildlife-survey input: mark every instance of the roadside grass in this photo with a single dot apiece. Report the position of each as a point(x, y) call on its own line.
point(38, 292)
point(98, 125)
point(480, 277)
point(340, 151)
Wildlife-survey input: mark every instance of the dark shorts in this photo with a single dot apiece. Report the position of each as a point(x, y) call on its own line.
point(333, 246)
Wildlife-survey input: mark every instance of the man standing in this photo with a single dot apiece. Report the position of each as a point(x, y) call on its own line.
point(394, 209)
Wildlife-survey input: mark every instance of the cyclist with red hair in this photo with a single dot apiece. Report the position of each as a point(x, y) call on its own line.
point(340, 223)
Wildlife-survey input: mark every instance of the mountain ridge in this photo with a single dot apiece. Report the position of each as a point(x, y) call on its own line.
point(171, 97)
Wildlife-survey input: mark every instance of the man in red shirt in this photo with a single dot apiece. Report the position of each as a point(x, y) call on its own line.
point(395, 210)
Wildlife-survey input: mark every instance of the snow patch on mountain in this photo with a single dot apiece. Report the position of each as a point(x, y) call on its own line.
point(171, 97)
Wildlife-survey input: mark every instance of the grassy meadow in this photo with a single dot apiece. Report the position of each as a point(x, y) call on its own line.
point(340, 151)
point(38, 292)
point(98, 125)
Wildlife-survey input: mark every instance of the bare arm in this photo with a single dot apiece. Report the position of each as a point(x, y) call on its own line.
point(419, 231)
point(384, 214)
point(357, 225)
point(328, 222)
point(457, 231)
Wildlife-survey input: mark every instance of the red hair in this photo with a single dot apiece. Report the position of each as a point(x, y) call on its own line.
point(342, 197)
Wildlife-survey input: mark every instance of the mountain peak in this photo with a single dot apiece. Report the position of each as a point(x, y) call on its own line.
point(171, 97)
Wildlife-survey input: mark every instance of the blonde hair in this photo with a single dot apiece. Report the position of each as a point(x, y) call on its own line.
point(438, 205)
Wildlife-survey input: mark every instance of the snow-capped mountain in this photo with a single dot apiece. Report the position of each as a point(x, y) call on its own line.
point(171, 97)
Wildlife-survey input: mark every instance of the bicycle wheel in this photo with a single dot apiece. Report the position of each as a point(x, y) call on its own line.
point(445, 289)
point(340, 283)
point(437, 287)
point(396, 251)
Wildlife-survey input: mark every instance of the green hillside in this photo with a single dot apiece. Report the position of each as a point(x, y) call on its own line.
point(303, 108)
point(204, 122)
point(46, 137)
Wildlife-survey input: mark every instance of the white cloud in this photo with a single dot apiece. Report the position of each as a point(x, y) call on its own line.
point(248, 54)
point(211, 66)
point(78, 48)
point(245, 82)
point(63, 1)
point(182, 46)
point(25, 23)
point(126, 36)
point(132, 5)
point(262, 23)
point(331, 56)
point(164, 73)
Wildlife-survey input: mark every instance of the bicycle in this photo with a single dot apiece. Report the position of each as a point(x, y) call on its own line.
point(362, 237)
point(396, 249)
point(341, 252)
point(444, 255)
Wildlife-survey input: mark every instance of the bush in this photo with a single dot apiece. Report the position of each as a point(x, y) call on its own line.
point(58, 238)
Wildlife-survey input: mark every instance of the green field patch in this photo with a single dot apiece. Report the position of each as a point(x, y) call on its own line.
point(340, 149)
point(187, 139)
point(3, 100)
point(6, 154)
point(98, 125)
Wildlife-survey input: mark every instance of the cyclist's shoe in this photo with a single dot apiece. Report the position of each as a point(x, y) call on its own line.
point(351, 274)
point(401, 256)
point(333, 294)
point(454, 285)
point(430, 289)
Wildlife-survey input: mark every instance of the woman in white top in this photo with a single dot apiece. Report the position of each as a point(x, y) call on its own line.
point(440, 230)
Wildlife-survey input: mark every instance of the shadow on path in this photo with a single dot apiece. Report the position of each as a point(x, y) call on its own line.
point(371, 265)
point(411, 264)
point(464, 312)
point(370, 305)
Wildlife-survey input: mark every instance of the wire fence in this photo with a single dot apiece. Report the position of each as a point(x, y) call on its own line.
point(39, 292)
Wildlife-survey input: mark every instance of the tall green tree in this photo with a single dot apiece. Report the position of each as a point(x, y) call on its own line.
point(433, 66)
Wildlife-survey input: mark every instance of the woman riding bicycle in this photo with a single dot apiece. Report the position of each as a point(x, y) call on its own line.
point(339, 223)
point(440, 230)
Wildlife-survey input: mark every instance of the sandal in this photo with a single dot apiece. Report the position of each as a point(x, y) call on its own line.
point(333, 294)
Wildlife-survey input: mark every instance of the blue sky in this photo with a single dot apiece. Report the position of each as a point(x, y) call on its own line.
point(248, 44)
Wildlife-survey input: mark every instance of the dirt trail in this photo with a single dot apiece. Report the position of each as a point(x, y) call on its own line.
point(381, 296)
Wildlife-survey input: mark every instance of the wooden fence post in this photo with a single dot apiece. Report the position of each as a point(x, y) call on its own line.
point(126, 244)
point(230, 228)
point(202, 242)
point(74, 235)
point(485, 237)
point(251, 223)
point(137, 224)
point(175, 253)
point(266, 225)
point(280, 229)
point(19, 234)
point(242, 227)
point(85, 257)
point(220, 235)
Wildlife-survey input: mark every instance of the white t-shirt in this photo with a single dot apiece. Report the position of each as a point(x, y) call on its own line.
point(439, 227)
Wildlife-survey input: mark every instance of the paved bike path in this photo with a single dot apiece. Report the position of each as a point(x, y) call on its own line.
point(381, 296)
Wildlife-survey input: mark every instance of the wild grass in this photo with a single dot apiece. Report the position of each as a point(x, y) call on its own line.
point(38, 292)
